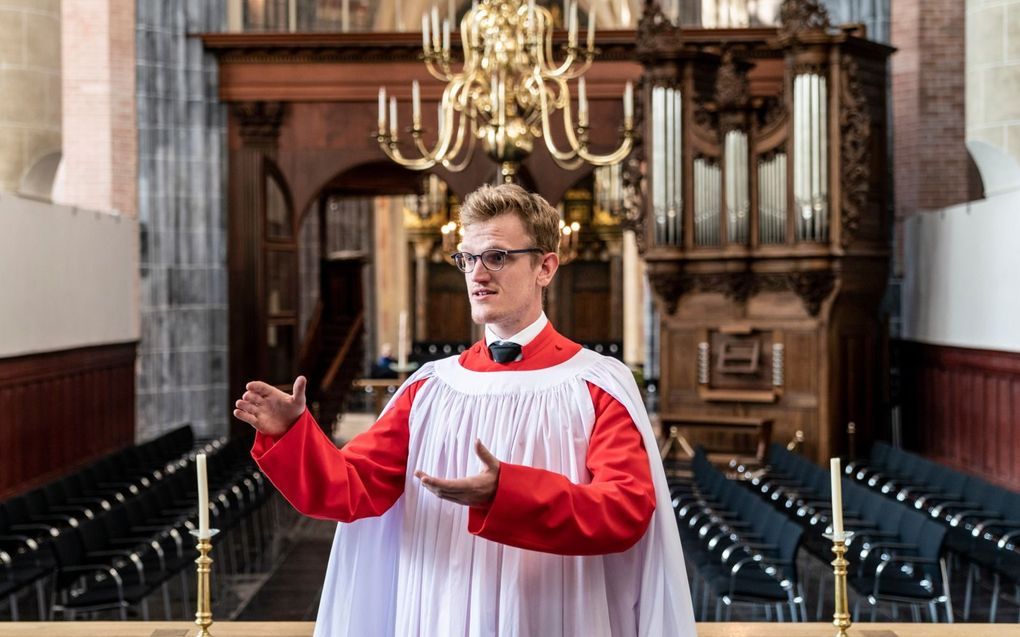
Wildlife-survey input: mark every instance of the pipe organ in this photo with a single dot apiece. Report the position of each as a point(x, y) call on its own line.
point(665, 160)
point(765, 222)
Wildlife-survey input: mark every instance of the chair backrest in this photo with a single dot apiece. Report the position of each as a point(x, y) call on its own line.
point(789, 544)
point(879, 454)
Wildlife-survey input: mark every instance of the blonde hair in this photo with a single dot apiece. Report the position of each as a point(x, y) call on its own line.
point(540, 220)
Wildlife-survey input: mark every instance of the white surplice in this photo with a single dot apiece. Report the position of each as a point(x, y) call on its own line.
point(417, 571)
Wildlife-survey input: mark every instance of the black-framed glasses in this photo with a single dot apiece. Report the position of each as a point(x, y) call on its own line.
point(493, 260)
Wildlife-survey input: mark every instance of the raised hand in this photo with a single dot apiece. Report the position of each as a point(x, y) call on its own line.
point(270, 410)
point(477, 490)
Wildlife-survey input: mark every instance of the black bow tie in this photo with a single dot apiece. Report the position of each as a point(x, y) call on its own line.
point(504, 351)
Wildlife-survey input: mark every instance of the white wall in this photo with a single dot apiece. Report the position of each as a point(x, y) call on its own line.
point(962, 275)
point(68, 277)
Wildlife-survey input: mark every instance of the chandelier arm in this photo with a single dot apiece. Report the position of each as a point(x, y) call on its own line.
point(569, 73)
point(614, 157)
point(556, 153)
point(456, 168)
point(442, 74)
point(419, 163)
point(443, 139)
point(451, 153)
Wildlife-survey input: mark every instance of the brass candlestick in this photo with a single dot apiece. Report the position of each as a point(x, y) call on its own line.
point(841, 612)
point(203, 603)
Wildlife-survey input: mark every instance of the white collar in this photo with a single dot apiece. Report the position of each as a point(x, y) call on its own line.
point(523, 337)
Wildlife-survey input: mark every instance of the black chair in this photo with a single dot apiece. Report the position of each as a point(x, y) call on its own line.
point(911, 572)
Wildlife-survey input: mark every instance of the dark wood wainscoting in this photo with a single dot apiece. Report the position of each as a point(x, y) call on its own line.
point(962, 407)
point(62, 409)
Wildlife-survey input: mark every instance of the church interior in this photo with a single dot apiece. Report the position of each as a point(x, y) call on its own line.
point(772, 211)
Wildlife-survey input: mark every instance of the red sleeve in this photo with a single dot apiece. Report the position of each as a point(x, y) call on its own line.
point(361, 480)
point(544, 511)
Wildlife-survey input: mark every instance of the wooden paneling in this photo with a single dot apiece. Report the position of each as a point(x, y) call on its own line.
point(962, 407)
point(63, 409)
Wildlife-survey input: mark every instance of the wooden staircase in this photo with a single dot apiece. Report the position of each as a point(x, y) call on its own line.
point(333, 350)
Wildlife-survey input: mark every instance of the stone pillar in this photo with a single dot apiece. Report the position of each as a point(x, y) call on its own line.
point(258, 124)
point(633, 302)
point(614, 247)
point(422, 252)
point(392, 289)
point(99, 117)
point(993, 73)
point(30, 83)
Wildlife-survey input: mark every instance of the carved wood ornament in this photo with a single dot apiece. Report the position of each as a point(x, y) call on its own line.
point(855, 132)
point(259, 121)
point(798, 16)
point(813, 287)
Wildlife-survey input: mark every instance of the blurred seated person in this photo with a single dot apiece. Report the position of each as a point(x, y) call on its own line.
point(381, 368)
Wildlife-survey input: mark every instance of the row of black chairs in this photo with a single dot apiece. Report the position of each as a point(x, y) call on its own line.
point(30, 522)
point(121, 532)
point(982, 520)
point(896, 553)
point(739, 549)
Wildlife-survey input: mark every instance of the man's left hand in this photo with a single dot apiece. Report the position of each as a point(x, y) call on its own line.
point(477, 490)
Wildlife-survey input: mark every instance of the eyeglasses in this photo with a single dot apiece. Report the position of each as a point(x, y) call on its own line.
point(493, 260)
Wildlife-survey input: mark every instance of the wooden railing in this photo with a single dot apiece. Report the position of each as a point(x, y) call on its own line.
point(312, 340)
point(338, 360)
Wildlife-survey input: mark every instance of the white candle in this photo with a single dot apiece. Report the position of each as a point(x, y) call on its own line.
point(582, 103)
point(435, 27)
point(628, 102)
point(837, 499)
point(591, 28)
point(572, 32)
point(382, 110)
point(425, 32)
point(393, 117)
point(402, 339)
point(345, 16)
point(203, 497)
point(446, 36)
point(416, 104)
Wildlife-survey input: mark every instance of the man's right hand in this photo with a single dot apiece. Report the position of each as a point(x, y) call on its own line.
point(270, 410)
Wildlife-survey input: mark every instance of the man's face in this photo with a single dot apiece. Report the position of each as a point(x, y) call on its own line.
point(511, 298)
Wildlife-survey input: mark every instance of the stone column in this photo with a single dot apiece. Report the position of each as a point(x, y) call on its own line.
point(633, 302)
point(616, 286)
point(422, 252)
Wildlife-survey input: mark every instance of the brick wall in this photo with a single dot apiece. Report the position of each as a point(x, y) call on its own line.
point(100, 138)
point(931, 164)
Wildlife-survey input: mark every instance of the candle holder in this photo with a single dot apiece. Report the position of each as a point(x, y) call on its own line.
point(841, 612)
point(203, 603)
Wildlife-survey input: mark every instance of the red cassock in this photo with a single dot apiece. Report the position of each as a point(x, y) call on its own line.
point(533, 508)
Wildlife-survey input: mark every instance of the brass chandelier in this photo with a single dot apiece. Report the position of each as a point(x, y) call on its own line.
point(505, 93)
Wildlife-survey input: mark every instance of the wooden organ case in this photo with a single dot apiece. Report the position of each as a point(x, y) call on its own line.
point(764, 219)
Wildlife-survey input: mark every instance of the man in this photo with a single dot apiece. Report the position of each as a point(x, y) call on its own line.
point(513, 490)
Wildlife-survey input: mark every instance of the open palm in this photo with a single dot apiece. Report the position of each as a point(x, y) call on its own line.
point(269, 410)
